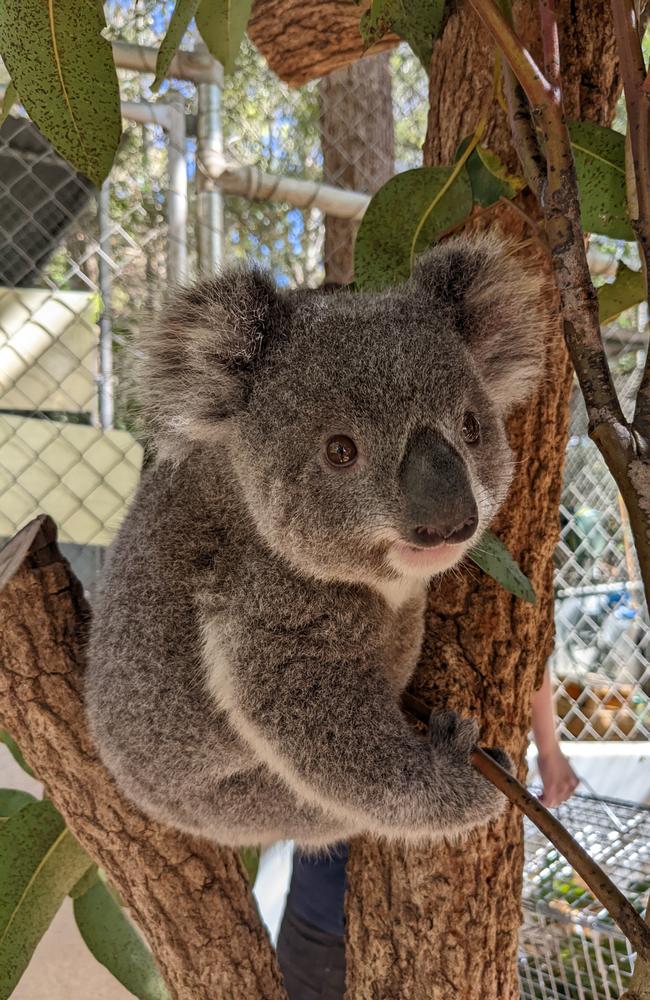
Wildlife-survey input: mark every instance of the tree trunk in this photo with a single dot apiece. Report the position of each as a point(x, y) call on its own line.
point(357, 139)
point(191, 900)
point(441, 923)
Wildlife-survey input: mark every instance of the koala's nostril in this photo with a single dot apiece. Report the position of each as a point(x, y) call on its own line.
point(428, 536)
point(463, 531)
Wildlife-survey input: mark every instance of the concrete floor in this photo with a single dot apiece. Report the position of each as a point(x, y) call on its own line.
point(61, 968)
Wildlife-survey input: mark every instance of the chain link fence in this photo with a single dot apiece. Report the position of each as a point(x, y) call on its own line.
point(200, 177)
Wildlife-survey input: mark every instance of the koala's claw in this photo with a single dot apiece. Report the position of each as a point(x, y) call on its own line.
point(448, 731)
point(500, 756)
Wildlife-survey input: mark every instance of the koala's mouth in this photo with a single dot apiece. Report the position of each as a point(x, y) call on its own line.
point(404, 556)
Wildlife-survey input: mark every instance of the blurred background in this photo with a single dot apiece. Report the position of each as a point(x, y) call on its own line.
point(214, 170)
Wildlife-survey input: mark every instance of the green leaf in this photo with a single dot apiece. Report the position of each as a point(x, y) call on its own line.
point(222, 24)
point(114, 941)
point(250, 857)
point(627, 290)
point(87, 880)
point(40, 861)
point(10, 98)
point(64, 72)
point(493, 558)
point(489, 175)
point(14, 750)
point(428, 199)
point(12, 800)
point(183, 13)
point(599, 155)
point(418, 22)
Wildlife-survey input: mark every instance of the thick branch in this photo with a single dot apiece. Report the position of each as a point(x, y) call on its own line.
point(191, 900)
point(637, 100)
point(619, 908)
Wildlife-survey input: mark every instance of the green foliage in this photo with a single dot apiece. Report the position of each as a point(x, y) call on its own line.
point(599, 155)
point(627, 290)
point(493, 558)
point(40, 861)
point(250, 858)
point(488, 175)
point(406, 216)
point(12, 800)
point(182, 14)
point(114, 941)
point(63, 70)
point(416, 21)
point(10, 98)
point(222, 24)
point(14, 750)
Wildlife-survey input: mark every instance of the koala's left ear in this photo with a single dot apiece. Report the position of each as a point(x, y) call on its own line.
point(196, 361)
point(496, 305)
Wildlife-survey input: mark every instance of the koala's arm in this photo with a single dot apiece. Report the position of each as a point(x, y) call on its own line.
point(332, 730)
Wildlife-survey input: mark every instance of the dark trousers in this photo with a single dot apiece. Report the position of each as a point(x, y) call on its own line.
point(311, 943)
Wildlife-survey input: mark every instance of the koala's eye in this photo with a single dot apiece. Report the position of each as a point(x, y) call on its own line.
point(341, 450)
point(471, 428)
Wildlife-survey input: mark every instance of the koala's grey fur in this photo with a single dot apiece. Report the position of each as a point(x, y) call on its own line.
point(255, 630)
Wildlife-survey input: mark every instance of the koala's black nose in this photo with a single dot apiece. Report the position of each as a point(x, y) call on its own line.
point(438, 493)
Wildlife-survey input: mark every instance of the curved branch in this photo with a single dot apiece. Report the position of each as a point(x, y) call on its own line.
point(191, 900)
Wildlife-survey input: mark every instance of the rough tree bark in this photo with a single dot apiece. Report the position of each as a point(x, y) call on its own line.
point(191, 900)
point(441, 923)
point(357, 139)
point(306, 39)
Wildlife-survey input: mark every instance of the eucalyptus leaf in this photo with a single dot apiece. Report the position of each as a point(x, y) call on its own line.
point(627, 290)
point(40, 861)
point(222, 24)
point(250, 857)
point(87, 880)
point(417, 22)
point(489, 175)
point(63, 70)
point(599, 155)
point(409, 212)
point(12, 800)
point(183, 13)
point(116, 944)
point(10, 98)
point(493, 558)
point(14, 750)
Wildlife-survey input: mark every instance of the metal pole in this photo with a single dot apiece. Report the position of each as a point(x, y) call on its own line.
point(177, 192)
point(105, 365)
point(198, 66)
point(209, 145)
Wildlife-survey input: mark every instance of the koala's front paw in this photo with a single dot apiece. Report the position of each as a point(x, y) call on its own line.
point(475, 798)
point(501, 757)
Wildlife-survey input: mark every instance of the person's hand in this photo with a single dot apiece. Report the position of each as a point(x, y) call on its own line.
point(558, 778)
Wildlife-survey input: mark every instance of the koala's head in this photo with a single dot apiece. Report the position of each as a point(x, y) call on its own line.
point(366, 430)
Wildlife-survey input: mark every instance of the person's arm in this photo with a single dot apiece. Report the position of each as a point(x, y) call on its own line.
point(558, 778)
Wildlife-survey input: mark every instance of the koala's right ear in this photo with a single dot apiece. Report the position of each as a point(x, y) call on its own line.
point(195, 363)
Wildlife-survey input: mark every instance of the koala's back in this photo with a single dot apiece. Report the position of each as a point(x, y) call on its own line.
point(145, 686)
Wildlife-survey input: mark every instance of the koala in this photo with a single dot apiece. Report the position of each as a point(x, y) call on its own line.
point(319, 459)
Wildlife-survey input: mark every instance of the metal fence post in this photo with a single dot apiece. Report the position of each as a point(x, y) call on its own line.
point(105, 388)
point(210, 221)
point(177, 194)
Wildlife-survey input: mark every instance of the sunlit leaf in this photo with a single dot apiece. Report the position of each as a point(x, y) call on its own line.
point(222, 24)
point(40, 861)
point(416, 21)
point(63, 70)
point(14, 750)
point(415, 205)
point(627, 290)
point(599, 155)
point(115, 942)
point(183, 13)
point(493, 558)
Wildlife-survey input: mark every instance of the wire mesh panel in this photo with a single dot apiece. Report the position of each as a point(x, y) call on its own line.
point(569, 947)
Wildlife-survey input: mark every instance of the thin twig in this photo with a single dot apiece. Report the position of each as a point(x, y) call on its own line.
point(619, 908)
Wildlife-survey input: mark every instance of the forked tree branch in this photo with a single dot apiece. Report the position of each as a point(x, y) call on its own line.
point(191, 900)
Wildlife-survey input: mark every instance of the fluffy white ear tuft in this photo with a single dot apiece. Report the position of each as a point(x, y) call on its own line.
point(497, 305)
